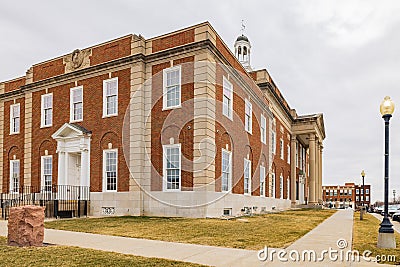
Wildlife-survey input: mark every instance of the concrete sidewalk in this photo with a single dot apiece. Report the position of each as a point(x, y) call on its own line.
point(324, 236)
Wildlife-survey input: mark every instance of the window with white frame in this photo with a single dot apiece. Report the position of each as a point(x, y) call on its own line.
point(76, 104)
point(226, 170)
point(47, 173)
point(172, 167)
point(288, 154)
point(367, 191)
point(15, 118)
point(281, 149)
point(263, 127)
point(281, 186)
point(273, 142)
point(227, 100)
point(272, 187)
point(248, 124)
point(172, 87)
point(262, 181)
point(110, 169)
point(14, 175)
point(288, 188)
point(366, 198)
point(357, 191)
point(47, 110)
point(110, 97)
point(357, 198)
point(247, 177)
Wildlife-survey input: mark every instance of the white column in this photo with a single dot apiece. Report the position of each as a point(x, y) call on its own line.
point(61, 168)
point(85, 178)
point(312, 183)
point(85, 173)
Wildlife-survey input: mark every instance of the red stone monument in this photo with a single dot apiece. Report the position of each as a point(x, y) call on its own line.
point(26, 226)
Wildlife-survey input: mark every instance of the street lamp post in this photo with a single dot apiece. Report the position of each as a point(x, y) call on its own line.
point(386, 237)
point(363, 196)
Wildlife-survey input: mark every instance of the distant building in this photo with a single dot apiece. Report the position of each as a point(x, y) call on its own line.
point(349, 195)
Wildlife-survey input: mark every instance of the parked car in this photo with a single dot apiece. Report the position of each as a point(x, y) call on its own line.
point(393, 209)
point(396, 216)
point(378, 210)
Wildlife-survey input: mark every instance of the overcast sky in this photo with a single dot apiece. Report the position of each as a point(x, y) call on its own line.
point(336, 57)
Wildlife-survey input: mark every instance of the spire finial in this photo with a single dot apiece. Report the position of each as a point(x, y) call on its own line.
point(243, 27)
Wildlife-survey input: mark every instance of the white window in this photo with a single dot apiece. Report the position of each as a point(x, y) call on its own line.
point(357, 198)
point(272, 187)
point(357, 191)
point(263, 129)
point(47, 110)
point(281, 186)
point(262, 181)
point(76, 104)
point(247, 177)
point(227, 100)
point(110, 169)
point(172, 87)
point(366, 198)
point(47, 173)
point(248, 116)
point(172, 167)
point(14, 176)
point(350, 192)
point(273, 142)
point(281, 149)
point(110, 97)
point(15, 118)
point(367, 191)
point(288, 188)
point(226, 170)
point(288, 154)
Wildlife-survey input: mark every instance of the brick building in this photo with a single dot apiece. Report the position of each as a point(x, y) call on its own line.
point(175, 125)
point(349, 195)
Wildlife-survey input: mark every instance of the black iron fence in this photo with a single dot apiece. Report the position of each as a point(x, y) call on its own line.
point(60, 201)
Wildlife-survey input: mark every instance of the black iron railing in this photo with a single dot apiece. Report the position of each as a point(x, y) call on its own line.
point(58, 200)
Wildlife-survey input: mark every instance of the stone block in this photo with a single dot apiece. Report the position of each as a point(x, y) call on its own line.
point(26, 226)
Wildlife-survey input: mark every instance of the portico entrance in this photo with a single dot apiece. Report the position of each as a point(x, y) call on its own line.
point(73, 149)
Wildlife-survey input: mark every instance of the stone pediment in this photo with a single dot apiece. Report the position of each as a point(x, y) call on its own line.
point(69, 130)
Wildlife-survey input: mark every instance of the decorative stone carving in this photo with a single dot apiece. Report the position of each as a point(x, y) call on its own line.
point(78, 59)
point(26, 226)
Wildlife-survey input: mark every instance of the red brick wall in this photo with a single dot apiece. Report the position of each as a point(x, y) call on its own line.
point(104, 130)
point(110, 51)
point(242, 142)
point(281, 165)
point(14, 85)
point(48, 69)
point(173, 40)
point(165, 125)
point(13, 144)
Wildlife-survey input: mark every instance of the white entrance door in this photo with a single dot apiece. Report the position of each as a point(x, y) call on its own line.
point(74, 169)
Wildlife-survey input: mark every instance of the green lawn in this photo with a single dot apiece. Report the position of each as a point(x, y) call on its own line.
point(273, 230)
point(365, 237)
point(73, 256)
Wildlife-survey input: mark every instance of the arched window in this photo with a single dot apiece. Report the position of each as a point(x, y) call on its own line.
point(244, 51)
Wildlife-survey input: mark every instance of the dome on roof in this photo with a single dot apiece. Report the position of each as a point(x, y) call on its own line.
point(242, 38)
